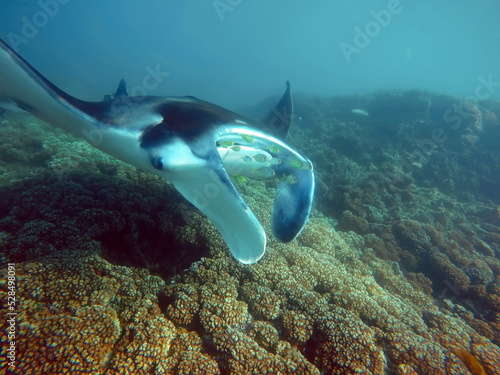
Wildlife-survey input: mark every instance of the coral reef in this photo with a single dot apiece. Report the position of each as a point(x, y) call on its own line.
point(421, 187)
point(397, 272)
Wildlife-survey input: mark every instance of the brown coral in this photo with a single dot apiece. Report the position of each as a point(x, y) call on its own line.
point(185, 307)
point(244, 356)
point(344, 345)
point(263, 301)
point(298, 327)
point(68, 344)
point(84, 315)
point(352, 222)
point(219, 307)
point(397, 299)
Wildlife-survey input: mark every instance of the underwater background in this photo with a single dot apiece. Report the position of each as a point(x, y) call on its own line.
point(397, 104)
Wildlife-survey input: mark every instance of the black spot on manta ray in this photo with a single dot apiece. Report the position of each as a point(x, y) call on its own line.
point(156, 135)
point(193, 117)
point(188, 120)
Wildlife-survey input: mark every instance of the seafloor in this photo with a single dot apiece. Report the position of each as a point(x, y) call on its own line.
point(397, 272)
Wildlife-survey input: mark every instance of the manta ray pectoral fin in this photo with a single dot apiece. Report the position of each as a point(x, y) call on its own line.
point(204, 182)
point(21, 84)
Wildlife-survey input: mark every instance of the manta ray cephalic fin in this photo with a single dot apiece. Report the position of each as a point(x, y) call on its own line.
point(295, 192)
point(205, 183)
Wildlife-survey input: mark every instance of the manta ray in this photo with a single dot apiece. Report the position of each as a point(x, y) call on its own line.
point(194, 144)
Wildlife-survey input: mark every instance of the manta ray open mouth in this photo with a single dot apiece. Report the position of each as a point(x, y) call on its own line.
point(194, 144)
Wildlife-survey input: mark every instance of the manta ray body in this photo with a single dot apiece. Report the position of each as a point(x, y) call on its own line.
point(194, 144)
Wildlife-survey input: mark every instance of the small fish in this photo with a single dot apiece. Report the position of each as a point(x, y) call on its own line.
point(291, 179)
point(238, 178)
point(246, 158)
point(307, 165)
point(235, 148)
point(260, 158)
point(264, 172)
point(275, 161)
point(274, 149)
point(247, 138)
point(226, 144)
point(296, 163)
point(360, 112)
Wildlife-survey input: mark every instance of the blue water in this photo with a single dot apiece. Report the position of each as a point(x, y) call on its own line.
point(235, 52)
